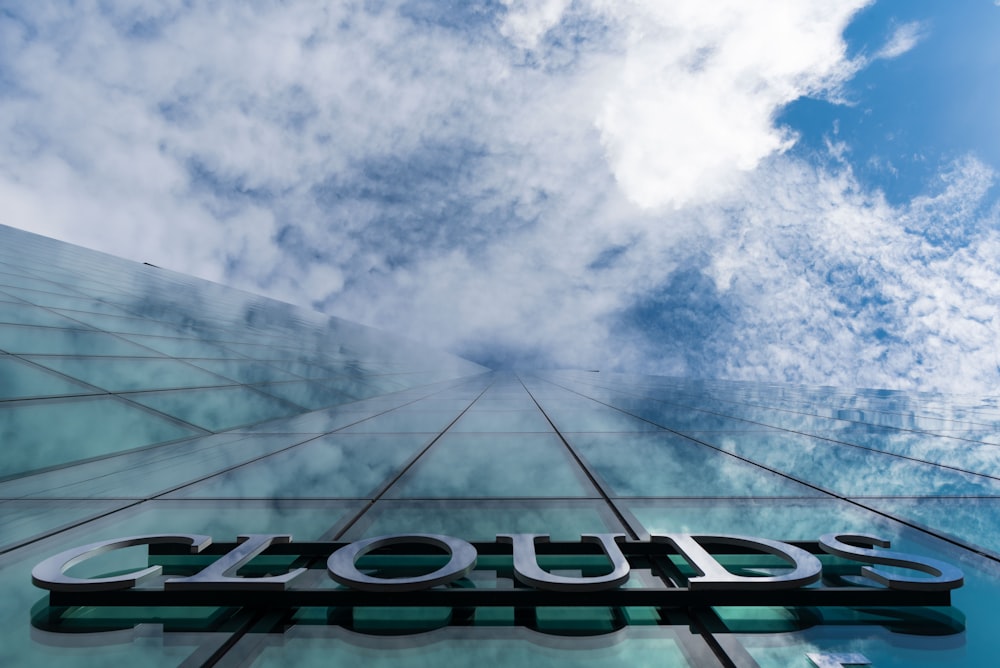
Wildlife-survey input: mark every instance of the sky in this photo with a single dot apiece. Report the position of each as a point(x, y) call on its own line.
point(786, 190)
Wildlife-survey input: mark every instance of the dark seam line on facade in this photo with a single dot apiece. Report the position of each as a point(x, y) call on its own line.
point(591, 475)
point(253, 618)
point(694, 615)
point(917, 527)
point(98, 458)
point(807, 434)
point(409, 465)
point(285, 449)
point(118, 395)
point(785, 410)
point(700, 619)
point(156, 497)
point(73, 525)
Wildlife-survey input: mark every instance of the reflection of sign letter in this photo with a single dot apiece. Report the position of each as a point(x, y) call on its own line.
point(50, 574)
point(714, 576)
point(838, 660)
point(527, 570)
point(341, 563)
point(945, 575)
point(221, 573)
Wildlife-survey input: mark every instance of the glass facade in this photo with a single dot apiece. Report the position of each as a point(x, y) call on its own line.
point(137, 401)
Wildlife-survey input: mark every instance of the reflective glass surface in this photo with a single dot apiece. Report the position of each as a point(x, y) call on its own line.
point(494, 465)
point(134, 400)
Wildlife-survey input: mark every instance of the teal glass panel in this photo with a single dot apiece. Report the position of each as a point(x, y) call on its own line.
point(26, 314)
point(935, 449)
point(436, 404)
point(321, 421)
point(37, 435)
point(19, 380)
point(505, 421)
point(363, 387)
point(243, 371)
point(21, 520)
point(663, 464)
point(336, 466)
point(519, 404)
point(217, 409)
point(562, 519)
point(494, 465)
point(852, 471)
point(304, 393)
point(455, 646)
point(150, 471)
point(182, 347)
point(123, 324)
point(972, 521)
point(128, 374)
point(8, 279)
point(274, 358)
point(393, 422)
point(779, 519)
point(64, 302)
point(596, 419)
point(51, 341)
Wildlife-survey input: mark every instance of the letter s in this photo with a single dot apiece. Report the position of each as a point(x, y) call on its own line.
point(945, 575)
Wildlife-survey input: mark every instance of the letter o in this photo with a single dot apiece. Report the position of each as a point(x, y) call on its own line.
point(341, 563)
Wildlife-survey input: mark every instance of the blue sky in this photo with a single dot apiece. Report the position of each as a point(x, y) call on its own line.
point(788, 190)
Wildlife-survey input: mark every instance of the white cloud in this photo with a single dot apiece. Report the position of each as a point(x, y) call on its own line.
point(692, 107)
point(904, 38)
point(527, 21)
point(589, 184)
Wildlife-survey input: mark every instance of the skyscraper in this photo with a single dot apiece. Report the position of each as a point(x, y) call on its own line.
point(138, 402)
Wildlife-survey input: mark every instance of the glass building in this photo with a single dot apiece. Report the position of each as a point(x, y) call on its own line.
point(136, 401)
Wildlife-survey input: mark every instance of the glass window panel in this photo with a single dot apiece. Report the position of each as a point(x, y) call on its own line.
point(182, 347)
point(27, 314)
point(19, 380)
point(64, 302)
point(51, 341)
point(127, 374)
point(597, 419)
point(562, 519)
point(243, 371)
point(974, 457)
point(21, 520)
point(336, 466)
point(505, 421)
point(22, 281)
point(852, 471)
point(123, 324)
point(394, 422)
point(972, 521)
point(651, 464)
point(494, 465)
point(304, 393)
point(217, 409)
point(57, 431)
point(523, 404)
point(306, 646)
point(778, 519)
point(150, 471)
point(361, 387)
point(321, 421)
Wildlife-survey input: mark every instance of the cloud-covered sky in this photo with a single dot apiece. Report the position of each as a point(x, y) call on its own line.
point(786, 190)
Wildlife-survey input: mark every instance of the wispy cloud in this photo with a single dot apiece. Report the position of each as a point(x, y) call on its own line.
point(903, 39)
point(587, 184)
